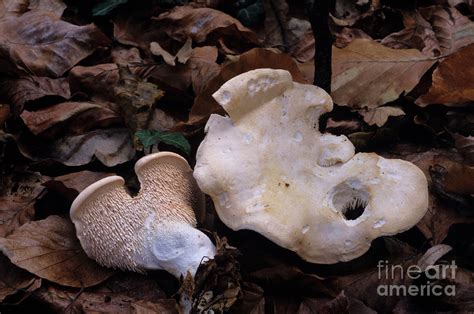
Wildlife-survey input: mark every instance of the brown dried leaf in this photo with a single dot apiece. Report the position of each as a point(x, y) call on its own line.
point(256, 58)
point(70, 185)
point(202, 24)
point(453, 82)
point(168, 306)
point(29, 88)
point(433, 254)
point(453, 30)
point(420, 36)
point(94, 80)
point(368, 74)
point(4, 114)
point(14, 279)
point(465, 146)
point(347, 35)
point(16, 7)
point(363, 285)
point(49, 249)
point(40, 43)
point(111, 147)
point(125, 56)
point(380, 115)
point(198, 70)
point(18, 192)
point(347, 12)
point(289, 34)
point(76, 117)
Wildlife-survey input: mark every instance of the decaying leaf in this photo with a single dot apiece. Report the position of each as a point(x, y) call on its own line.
point(77, 116)
point(380, 115)
point(15, 279)
point(420, 36)
point(367, 74)
point(465, 146)
point(16, 7)
point(30, 88)
point(95, 80)
point(202, 24)
point(452, 29)
point(110, 146)
point(453, 82)
point(49, 249)
point(183, 54)
point(136, 99)
point(40, 43)
point(18, 192)
point(198, 70)
point(70, 185)
point(256, 58)
point(4, 114)
point(168, 306)
point(289, 34)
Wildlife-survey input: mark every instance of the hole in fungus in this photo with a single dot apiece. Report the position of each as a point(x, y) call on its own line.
point(350, 199)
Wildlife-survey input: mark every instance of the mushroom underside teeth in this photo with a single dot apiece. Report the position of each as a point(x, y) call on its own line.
point(350, 199)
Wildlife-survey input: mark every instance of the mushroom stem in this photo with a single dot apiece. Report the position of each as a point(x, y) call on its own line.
point(177, 248)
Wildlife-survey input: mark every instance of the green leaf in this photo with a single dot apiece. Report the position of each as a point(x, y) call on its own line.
point(149, 138)
point(104, 7)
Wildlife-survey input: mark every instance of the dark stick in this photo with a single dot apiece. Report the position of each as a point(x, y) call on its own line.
point(319, 19)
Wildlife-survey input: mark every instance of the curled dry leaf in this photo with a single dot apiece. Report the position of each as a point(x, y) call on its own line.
point(453, 82)
point(204, 103)
point(110, 146)
point(380, 115)
point(41, 43)
point(70, 185)
point(433, 254)
point(49, 249)
point(420, 36)
point(15, 279)
point(289, 34)
point(198, 70)
point(452, 29)
point(30, 88)
point(76, 117)
point(368, 74)
point(202, 24)
point(18, 192)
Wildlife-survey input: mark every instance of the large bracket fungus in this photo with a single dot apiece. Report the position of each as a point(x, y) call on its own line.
point(153, 230)
point(269, 169)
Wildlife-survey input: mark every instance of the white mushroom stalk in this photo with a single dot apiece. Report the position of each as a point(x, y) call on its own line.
point(153, 230)
point(269, 169)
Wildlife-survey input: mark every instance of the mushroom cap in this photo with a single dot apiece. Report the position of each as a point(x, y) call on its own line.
point(269, 169)
point(154, 229)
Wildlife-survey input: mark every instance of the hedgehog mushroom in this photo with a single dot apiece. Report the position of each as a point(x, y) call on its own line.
point(153, 230)
point(269, 169)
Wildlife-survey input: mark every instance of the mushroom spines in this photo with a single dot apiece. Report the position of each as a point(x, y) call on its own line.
point(90, 193)
point(120, 231)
